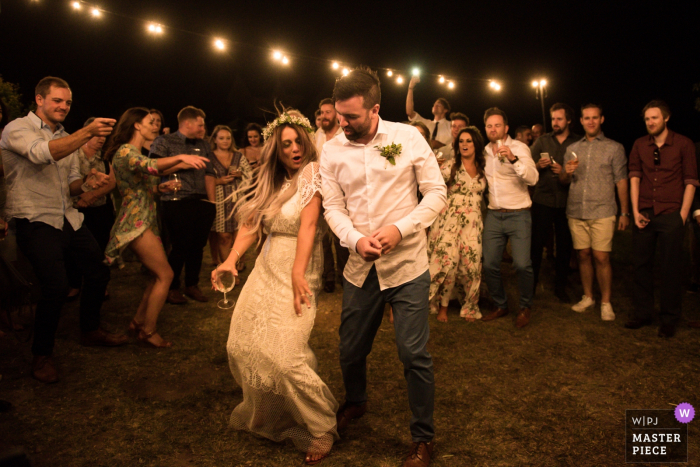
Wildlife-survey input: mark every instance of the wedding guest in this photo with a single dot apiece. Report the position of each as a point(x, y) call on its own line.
point(188, 217)
point(549, 198)
point(509, 171)
point(458, 121)
point(318, 118)
point(524, 134)
point(376, 214)
point(454, 243)
point(136, 228)
point(537, 131)
point(595, 167)
point(157, 130)
point(232, 173)
point(328, 130)
point(422, 129)
point(439, 127)
point(252, 144)
point(42, 172)
point(663, 179)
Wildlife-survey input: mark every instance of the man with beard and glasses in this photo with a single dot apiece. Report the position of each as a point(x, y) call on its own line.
point(328, 130)
point(663, 178)
point(371, 177)
point(549, 198)
point(509, 171)
point(439, 127)
point(593, 168)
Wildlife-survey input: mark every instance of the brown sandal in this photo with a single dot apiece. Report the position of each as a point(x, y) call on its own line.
point(144, 336)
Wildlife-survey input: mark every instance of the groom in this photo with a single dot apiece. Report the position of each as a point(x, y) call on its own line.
point(370, 196)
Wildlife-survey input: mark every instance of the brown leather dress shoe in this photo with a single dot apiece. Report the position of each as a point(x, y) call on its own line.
point(495, 314)
point(101, 338)
point(44, 370)
point(195, 294)
point(523, 318)
point(420, 454)
point(349, 412)
point(175, 298)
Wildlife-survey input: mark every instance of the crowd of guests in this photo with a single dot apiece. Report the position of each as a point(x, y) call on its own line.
point(77, 201)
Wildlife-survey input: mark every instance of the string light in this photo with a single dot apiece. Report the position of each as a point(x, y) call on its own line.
point(399, 79)
point(155, 28)
point(285, 61)
point(335, 65)
point(390, 73)
point(543, 82)
point(451, 85)
point(277, 55)
point(76, 5)
point(219, 44)
point(346, 72)
point(441, 80)
point(96, 12)
point(494, 85)
point(415, 72)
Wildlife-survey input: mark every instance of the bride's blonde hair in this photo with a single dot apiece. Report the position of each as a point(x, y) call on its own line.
point(265, 197)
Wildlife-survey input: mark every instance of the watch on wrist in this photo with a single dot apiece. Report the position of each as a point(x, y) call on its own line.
point(514, 160)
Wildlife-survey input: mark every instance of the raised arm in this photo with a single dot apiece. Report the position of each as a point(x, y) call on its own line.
point(409, 97)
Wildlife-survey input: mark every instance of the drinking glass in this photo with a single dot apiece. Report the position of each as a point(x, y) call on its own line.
point(176, 185)
point(225, 280)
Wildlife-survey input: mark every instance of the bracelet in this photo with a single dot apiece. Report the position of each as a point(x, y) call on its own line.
point(626, 214)
point(239, 255)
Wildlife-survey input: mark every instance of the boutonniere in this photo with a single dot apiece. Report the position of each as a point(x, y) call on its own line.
point(390, 152)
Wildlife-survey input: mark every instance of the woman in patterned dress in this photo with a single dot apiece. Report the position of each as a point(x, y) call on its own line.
point(232, 173)
point(454, 243)
point(136, 227)
point(268, 344)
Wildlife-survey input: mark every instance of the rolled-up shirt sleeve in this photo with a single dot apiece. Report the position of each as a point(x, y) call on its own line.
point(525, 167)
point(335, 209)
point(690, 168)
point(635, 163)
point(430, 184)
point(74, 173)
point(27, 142)
point(619, 164)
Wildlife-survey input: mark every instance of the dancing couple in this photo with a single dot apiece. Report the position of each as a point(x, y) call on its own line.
point(367, 182)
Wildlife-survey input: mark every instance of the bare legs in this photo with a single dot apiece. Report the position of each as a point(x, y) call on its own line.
point(603, 271)
point(151, 254)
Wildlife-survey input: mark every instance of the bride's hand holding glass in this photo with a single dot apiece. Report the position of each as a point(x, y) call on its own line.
point(302, 292)
point(223, 279)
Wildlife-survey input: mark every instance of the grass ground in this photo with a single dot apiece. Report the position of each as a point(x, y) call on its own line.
point(551, 394)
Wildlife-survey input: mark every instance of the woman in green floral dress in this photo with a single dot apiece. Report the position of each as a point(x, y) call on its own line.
point(454, 242)
point(136, 226)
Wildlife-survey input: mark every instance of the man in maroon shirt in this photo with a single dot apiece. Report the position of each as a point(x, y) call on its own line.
point(663, 176)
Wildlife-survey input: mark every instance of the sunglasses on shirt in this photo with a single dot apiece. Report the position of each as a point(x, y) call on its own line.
point(657, 157)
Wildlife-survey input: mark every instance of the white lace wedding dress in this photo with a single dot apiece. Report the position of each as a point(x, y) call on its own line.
point(268, 344)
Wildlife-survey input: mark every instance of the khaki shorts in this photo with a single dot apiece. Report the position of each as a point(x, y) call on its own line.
point(593, 233)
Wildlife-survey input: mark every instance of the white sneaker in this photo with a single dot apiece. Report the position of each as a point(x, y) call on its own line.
point(606, 312)
point(585, 303)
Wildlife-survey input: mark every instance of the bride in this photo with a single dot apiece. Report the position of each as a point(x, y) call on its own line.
point(269, 354)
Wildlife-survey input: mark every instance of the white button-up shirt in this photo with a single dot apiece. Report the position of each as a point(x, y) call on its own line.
point(508, 182)
point(444, 132)
point(321, 138)
point(363, 192)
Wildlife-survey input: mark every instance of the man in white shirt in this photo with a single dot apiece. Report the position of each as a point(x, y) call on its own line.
point(371, 177)
point(328, 130)
point(440, 132)
point(458, 121)
point(509, 171)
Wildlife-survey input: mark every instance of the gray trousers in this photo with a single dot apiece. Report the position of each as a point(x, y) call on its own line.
point(363, 309)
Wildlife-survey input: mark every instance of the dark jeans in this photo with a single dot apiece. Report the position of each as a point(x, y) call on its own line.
point(363, 309)
point(99, 221)
point(341, 252)
point(188, 222)
point(666, 231)
point(542, 219)
point(47, 249)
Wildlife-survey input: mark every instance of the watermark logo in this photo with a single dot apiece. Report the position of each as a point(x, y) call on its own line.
point(657, 436)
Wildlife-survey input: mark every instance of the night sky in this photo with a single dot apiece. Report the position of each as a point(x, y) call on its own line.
point(606, 52)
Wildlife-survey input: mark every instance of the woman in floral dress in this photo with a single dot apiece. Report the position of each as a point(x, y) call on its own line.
point(454, 243)
point(136, 227)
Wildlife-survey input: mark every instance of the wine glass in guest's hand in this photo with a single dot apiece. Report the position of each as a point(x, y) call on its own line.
point(224, 281)
point(175, 185)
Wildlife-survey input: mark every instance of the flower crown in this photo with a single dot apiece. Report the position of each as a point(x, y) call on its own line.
point(285, 118)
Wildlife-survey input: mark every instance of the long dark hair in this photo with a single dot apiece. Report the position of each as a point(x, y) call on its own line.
point(124, 130)
point(479, 159)
point(252, 127)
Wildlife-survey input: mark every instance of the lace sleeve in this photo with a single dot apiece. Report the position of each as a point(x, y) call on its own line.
point(309, 183)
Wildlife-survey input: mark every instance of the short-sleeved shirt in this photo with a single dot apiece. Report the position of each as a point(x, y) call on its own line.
point(602, 164)
point(548, 190)
point(662, 186)
point(444, 128)
point(193, 184)
point(38, 186)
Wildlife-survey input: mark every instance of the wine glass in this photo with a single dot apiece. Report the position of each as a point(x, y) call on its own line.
point(176, 185)
point(225, 280)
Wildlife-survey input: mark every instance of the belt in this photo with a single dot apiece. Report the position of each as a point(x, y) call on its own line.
point(511, 210)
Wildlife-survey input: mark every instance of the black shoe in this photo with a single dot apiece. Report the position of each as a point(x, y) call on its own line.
point(560, 293)
point(667, 330)
point(637, 323)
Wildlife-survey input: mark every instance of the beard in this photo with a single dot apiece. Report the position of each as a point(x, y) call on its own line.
point(659, 130)
point(357, 133)
point(558, 130)
point(327, 125)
